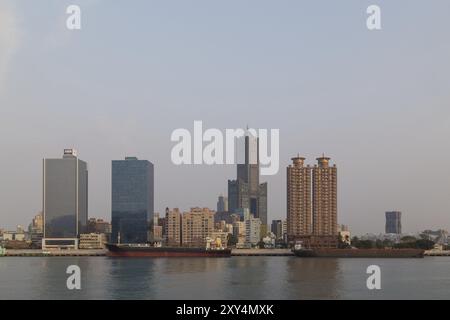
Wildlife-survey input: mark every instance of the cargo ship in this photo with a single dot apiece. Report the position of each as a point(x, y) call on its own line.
point(358, 253)
point(147, 250)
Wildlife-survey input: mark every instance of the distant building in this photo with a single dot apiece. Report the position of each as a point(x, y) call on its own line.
point(36, 231)
point(229, 228)
point(223, 216)
point(246, 191)
point(239, 233)
point(92, 241)
point(252, 231)
point(173, 227)
point(158, 233)
point(65, 200)
point(132, 200)
point(222, 204)
point(393, 222)
point(196, 226)
point(99, 226)
point(159, 226)
point(242, 213)
point(277, 229)
point(221, 225)
point(13, 236)
point(263, 231)
point(37, 224)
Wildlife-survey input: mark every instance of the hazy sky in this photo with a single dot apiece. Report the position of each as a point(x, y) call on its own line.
point(376, 102)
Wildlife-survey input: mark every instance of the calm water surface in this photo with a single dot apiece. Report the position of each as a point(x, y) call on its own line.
point(227, 278)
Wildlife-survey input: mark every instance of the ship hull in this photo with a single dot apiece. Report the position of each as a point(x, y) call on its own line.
point(164, 252)
point(359, 253)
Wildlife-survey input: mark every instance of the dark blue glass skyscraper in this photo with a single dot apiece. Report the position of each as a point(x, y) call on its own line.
point(394, 222)
point(132, 200)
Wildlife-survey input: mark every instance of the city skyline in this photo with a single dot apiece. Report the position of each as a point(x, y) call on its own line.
point(376, 102)
point(298, 164)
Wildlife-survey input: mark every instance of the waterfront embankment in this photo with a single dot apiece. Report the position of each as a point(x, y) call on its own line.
point(234, 252)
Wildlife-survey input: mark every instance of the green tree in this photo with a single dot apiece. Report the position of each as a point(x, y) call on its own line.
point(379, 244)
point(407, 239)
point(424, 244)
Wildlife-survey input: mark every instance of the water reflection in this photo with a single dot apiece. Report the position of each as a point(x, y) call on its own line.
point(246, 277)
point(238, 278)
point(50, 277)
point(131, 278)
point(313, 278)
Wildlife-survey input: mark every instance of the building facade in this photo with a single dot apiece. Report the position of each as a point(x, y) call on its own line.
point(132, 192)
point(312, 203)
point(173, 227)
point(196, 226)
point(92, 240)
point(324, 198)
point(393, 222)
point(36, 231)
point(252, 231)
point(65, 200)
point(277, 229)
point(98, 226)
point(299, 214)
point(239, 233)
point(222, 204)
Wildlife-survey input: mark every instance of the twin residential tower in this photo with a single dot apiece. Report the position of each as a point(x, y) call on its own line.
point(312, 203)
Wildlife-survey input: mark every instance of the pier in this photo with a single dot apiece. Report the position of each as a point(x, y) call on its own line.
point(437, 253)
point(55, 253)
point(262, 252)
point(234, 253)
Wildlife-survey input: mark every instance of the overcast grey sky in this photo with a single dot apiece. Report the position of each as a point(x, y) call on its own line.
point(376, 102)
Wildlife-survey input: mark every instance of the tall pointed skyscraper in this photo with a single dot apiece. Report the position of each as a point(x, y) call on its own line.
point(246, 192)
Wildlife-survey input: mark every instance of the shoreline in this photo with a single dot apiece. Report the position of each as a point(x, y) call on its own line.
point(234, 253)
